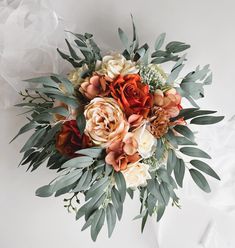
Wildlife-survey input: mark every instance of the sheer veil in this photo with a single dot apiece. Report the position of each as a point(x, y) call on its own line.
point(30, 32)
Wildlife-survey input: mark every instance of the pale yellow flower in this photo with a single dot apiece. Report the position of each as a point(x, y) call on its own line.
point(75, 75)
point(105, 121)
point(136, 175)
point(115, 64)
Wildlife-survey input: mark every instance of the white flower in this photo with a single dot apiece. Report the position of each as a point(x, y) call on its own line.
point(146, 141)
point(136, 175)
point(115, 64)
point(75, 75)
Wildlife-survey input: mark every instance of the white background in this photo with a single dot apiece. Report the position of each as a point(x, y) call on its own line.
point(30, 222)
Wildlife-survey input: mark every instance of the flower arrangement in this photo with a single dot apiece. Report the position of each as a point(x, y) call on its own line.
point(115, 125)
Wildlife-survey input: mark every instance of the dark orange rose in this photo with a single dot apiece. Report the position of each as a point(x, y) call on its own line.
point(132, 95)
point(69, 140)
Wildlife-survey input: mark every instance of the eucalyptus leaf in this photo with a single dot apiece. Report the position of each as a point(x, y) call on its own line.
point(45, 191)
point(179, 172)
point(159, 41)
point(81, 122)
point(200, 180)
point(185, 131)
point(194, 152)
point(111, 218)
point(206, 120)
point(78, 162)
point(121, 184)
point(123, 38)
point(202, 166)
point(97, 223)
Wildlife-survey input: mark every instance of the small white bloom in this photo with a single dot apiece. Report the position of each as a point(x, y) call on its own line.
point(75, 75)
point(115, 64)
point(136, 174)
point(146, 141)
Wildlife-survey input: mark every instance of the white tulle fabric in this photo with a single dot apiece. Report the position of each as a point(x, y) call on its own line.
point(29, 33)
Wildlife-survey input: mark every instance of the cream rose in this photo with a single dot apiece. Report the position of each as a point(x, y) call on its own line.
point(136, 174)
point(75, 75)
point(146, 141)
point(105, 121)
point(116, 64)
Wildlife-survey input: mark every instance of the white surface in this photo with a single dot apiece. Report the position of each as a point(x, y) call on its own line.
point(28, 35)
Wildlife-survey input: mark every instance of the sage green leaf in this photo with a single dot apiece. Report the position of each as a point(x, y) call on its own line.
point(79, 162)
point(57, 110)
point(26, 128)
point(33, 139)
point(88, 222)
point(72, 51)
point(163, 175)
point(67, 84)
point(202, 166)
point(47, 90)
point(194, 152)
point(81, 122)
point(160, 211)
point(67, 179)
point(97, 223)
point(98, 187)
point(144, 221)
point(71, 101)
point(123, 38)
point(111, 218)
point(91, 152)
point(171, 161)
point(195, 90)
point(65, 190)
point(43, 80)
point(163, 189)
point(198, 113)
point(206, 120)
point(208, 80)
point(185, 131)
point(200, 180)
point(50, 135)
point(45, 191)
point(179, 172)
point(176, 70)
point(130, 193)
point(69, 59)
point(176, 46)
point(84, 182)
point(159, 149)
point(184, 141)
point(121, 184)
point(116, 199)
point(171, 138)
point(159, 41)
point(151, 203)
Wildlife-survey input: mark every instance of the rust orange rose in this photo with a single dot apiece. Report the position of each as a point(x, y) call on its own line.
point(69, 140)
point(131, 94)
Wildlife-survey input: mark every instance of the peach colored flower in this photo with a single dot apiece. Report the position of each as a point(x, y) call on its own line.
point(135, 120)
point(122, 152)
point(105, 121)
point(95, 86)
point(169, 101)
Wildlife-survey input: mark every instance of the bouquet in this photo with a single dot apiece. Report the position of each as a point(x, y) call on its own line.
point(115, 125)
